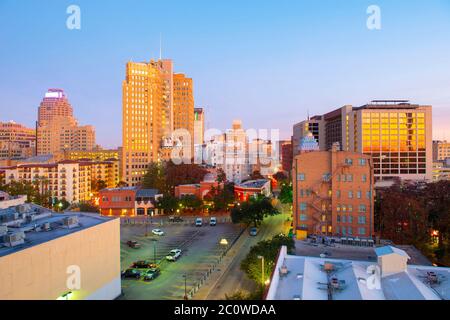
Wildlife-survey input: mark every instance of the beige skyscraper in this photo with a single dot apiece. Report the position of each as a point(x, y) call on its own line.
point(155, 103)
point(58, 130)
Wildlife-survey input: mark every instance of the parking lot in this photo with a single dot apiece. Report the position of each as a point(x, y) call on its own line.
point(201, 251)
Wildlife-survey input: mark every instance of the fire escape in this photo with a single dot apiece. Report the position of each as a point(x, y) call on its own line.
point(321, 200)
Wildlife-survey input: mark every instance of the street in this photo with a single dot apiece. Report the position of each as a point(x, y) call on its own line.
point(233, 279)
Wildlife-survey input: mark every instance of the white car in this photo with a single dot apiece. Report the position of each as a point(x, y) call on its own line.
point(198, 222)
point(174, 255)
point(158, 232)
point(213, 221)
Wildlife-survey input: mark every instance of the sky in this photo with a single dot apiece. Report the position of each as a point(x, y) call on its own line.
point(265, 62)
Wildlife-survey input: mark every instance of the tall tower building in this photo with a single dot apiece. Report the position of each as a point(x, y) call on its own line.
point(199, 126)
point(55, 105)
point(183, 105)
point(58, 130)
point(155, 103)
point(143, 116)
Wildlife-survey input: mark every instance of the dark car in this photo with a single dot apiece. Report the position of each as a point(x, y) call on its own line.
point(131, 273)
point(143, 265)
point(151, 274)
point(175, 219)
point(133, 244)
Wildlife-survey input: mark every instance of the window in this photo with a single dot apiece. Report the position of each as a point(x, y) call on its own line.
point(350, 231)
point(350, 219)
point(350, 208)
point(301, 177)
point(338, 208)
point(359, 194)
point(303, 217)
point(362, 162)
point(344, 231)
point(349, 177)
point(338, 218)
point(338, 194)
point(368, 194)
point(364, 178)
point(362, 231)
point(350, 194)
point(362, 208)
point(349, 162)
point(343, 219)
point(303, 206)
point(362, 220)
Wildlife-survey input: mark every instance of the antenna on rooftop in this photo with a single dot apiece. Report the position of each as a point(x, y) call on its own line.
point(160, 46)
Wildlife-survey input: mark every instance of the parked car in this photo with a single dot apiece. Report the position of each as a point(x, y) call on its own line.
point(131, 273)
point(253, 231)
point(151, 274)
point(198, 222)
point(213, 221)
point(133, 244)
point(175, 219)
point(158, 232)
point(143, 265)
point(174, 255)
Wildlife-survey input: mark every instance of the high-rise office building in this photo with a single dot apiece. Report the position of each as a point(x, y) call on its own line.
point(396, 134)
point(155, 103)
point(16, 140)
point(199, 126)
point(58, 130)
point(183, 107)
point(441, 150)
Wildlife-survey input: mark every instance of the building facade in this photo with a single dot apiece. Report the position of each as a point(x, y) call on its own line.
point(16, 141)
point(128, 202)
point(396, 134)
point(66, 180)
point(441, 150)
point(333, 193)
point(42, 263)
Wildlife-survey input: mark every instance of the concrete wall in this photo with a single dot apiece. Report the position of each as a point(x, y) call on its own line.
point(392, 263)
point(276, 274)
point(40, 272)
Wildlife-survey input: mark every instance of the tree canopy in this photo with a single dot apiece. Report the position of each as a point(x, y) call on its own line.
point(253, 211)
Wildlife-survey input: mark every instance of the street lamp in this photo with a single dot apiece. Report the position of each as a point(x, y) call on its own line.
point(185, 286)
point(154, 250)
point(262, 270)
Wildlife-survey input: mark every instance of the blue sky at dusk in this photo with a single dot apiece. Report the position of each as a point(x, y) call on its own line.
point(265, 62)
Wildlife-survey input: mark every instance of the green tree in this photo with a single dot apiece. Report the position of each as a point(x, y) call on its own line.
point(252, 264)
point(88, 207)
point(221, 176)
point(168, 203)
point(253, 211)
point(191, 202)
point(223, 197)
point(285, 196)
point(155, 178)
point(98, 185)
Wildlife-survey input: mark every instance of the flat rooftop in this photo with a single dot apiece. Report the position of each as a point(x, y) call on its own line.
point(306, 280)
point(253, 183)
point(34, 238)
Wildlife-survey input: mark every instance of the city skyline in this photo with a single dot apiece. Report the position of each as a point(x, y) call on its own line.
point(308, 72)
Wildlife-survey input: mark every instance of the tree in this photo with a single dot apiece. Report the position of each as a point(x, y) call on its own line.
point(438, 205)
point(183, 174)
point(191, 202)
point(98, 185)
point(285, 196)
point(168, 203)
point(280, 177)
point(155, 178)
point(253, 211)
point(222, 197)
point(121, 184)
point(252, 264)
point(88, 207)
point(221, 176)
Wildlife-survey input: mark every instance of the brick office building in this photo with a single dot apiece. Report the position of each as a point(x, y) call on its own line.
point(333, 193)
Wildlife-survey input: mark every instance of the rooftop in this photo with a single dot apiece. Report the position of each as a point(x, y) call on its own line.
point(311, 278)
point(253, 183)
point(43, 227)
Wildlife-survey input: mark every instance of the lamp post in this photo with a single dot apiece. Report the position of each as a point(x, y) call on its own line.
point(154, 250)
point(262, 270)
point(185, 286)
